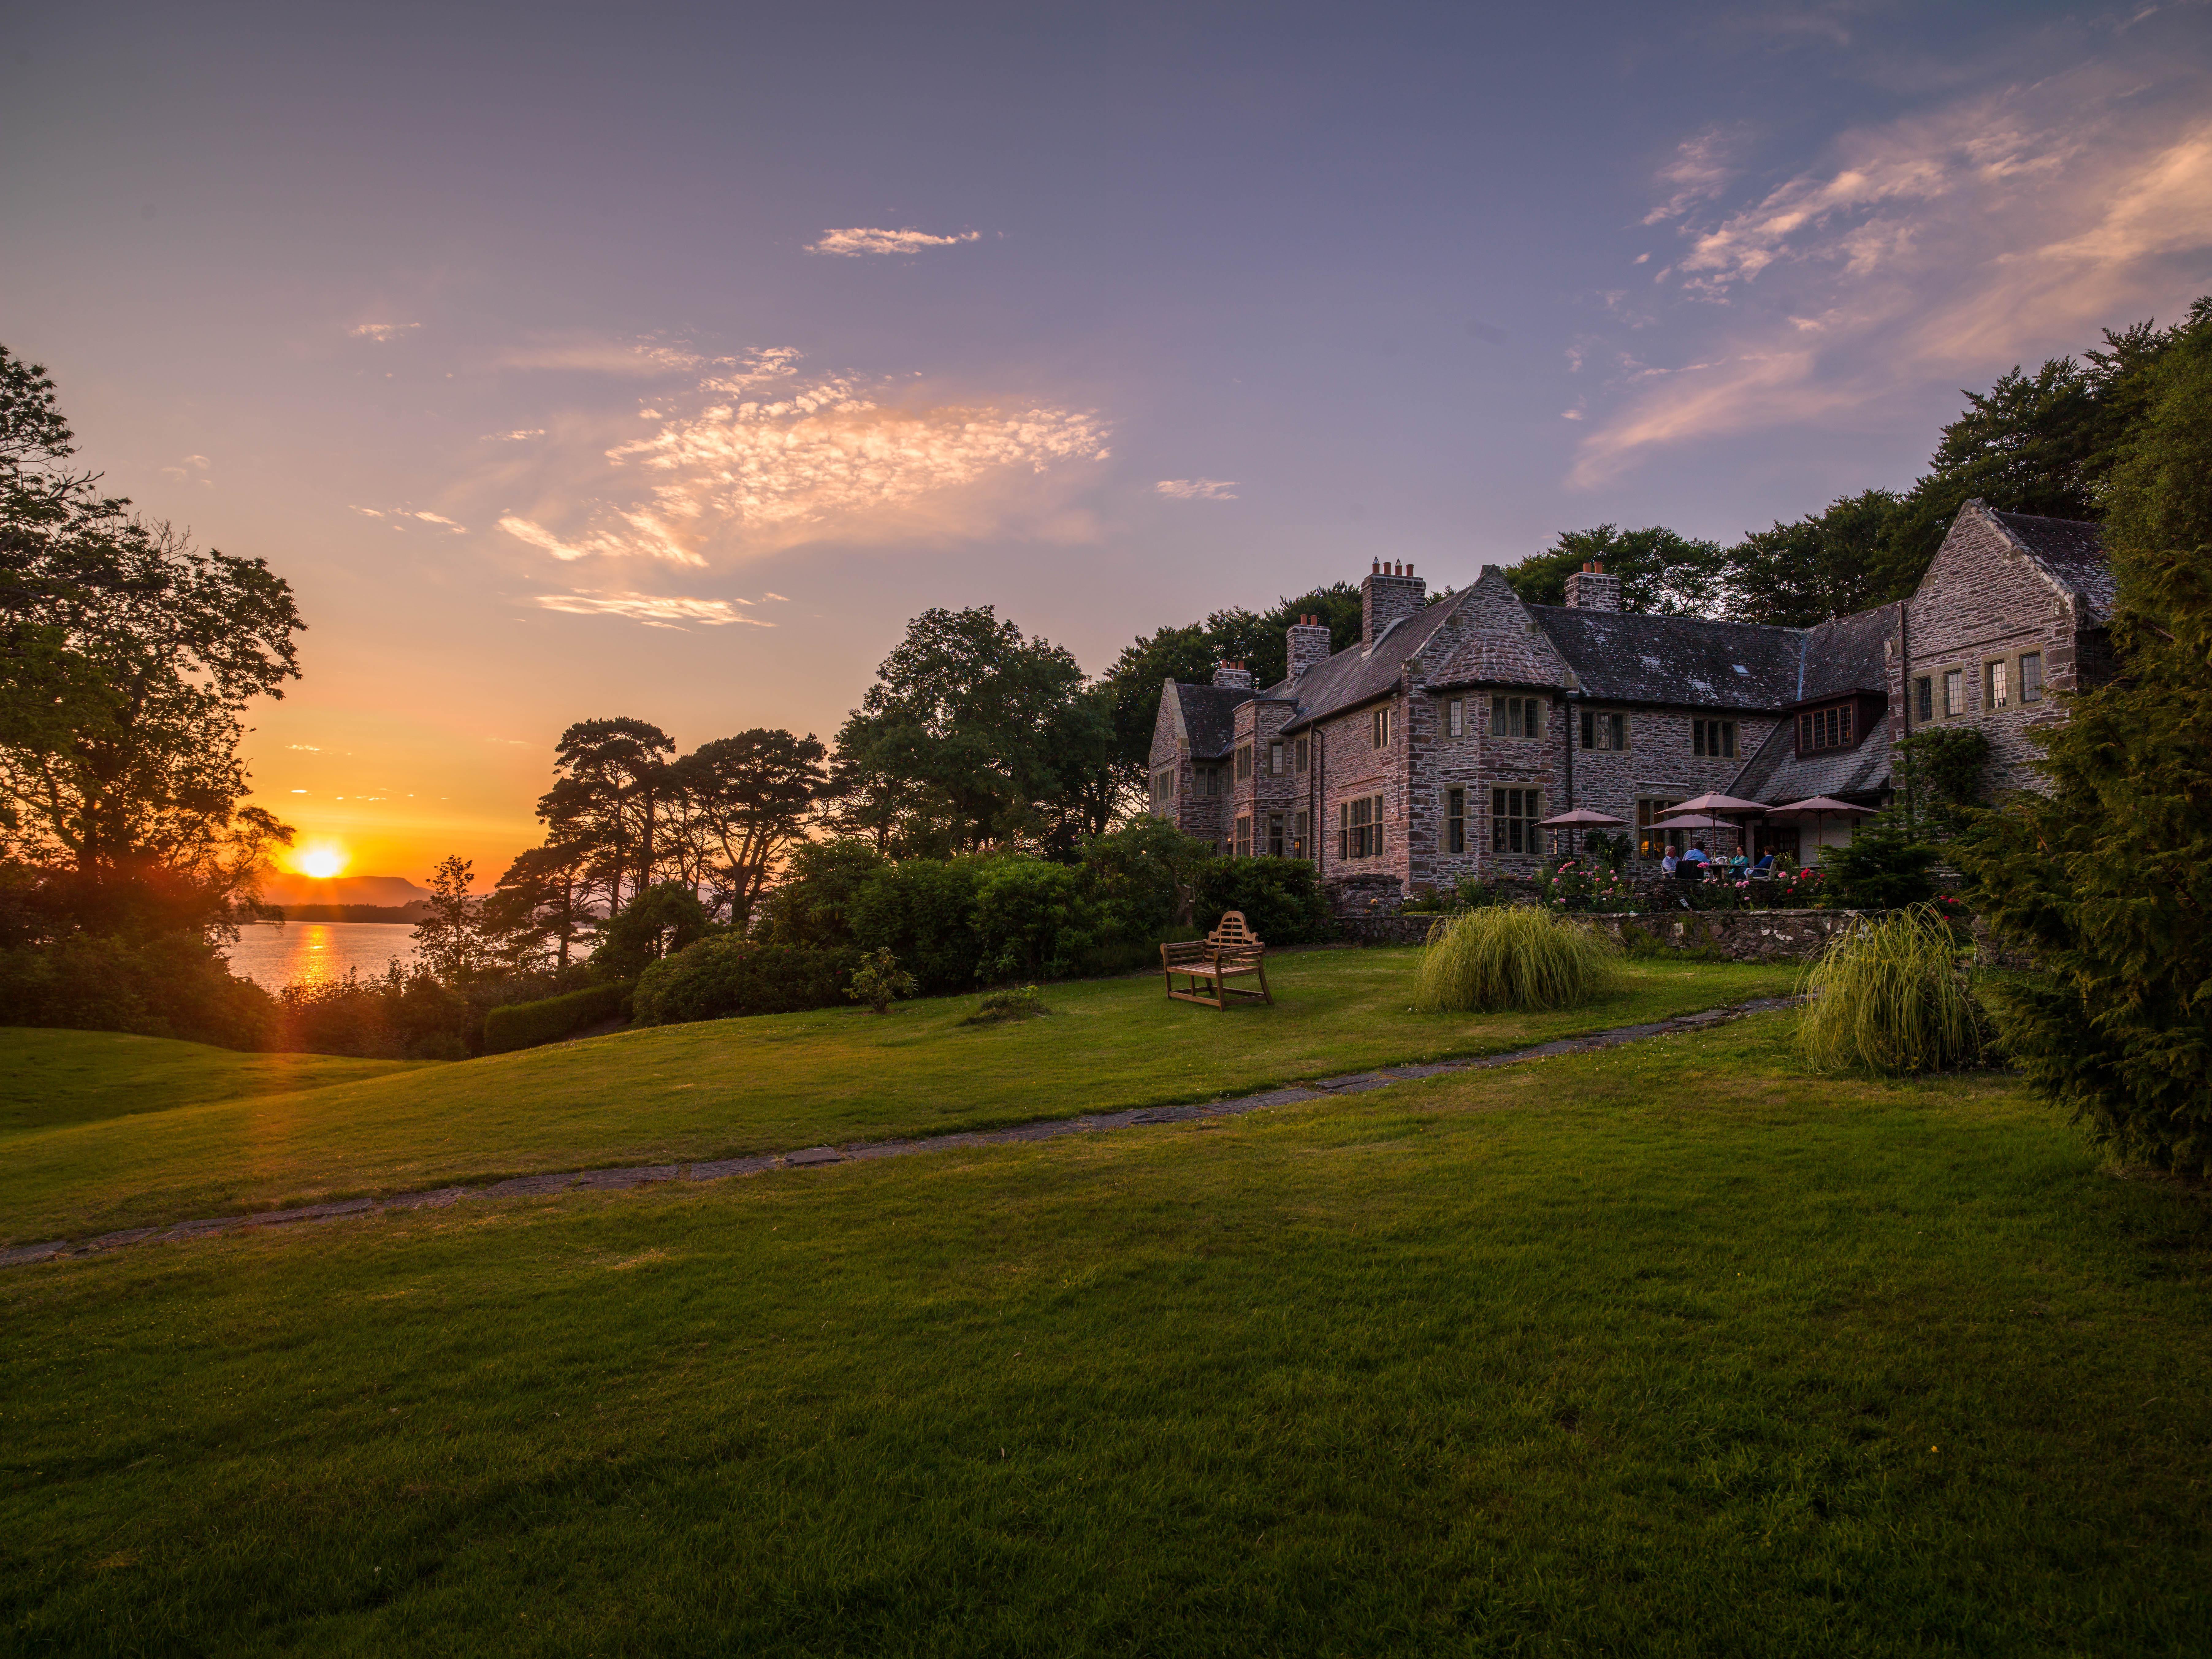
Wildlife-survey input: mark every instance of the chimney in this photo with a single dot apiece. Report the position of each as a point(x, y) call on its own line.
point(1234, 675)
point(1591, 589)
point(1387, 592)
point(1308, 644)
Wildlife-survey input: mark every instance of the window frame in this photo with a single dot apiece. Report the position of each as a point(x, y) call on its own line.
point(1516, 810)
point(1923, 698)
point(1456, 718)
point(1514, 716)
point(2026, 657)
point(1651, 835)
point(1954, 676)
point(1996, 684)
point(1243, 762)
point(1456, 821)
point(1300, 831)
point(1304, 751)
point(1615, 725)
point(1359, 828)
point(1276, 766)
point(1380, 725)
point(1242, 836)
point(1713, 740)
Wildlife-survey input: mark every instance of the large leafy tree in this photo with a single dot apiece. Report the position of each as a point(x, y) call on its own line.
point(1830, 563)
point(610, 779)
point(1660, 570)
point(2109, 876)
point(127, 659)
point(747, 800)
point(974, 735)
point(1191, 651)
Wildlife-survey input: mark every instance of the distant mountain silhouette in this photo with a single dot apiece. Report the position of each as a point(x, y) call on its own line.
point(289, 890)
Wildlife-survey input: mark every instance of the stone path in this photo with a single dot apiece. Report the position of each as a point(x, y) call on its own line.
point(613, 1180)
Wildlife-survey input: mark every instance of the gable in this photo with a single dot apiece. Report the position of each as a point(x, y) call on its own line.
point(1489, 636)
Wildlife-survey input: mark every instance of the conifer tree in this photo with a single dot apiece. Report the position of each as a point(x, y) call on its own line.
point(2109, 878)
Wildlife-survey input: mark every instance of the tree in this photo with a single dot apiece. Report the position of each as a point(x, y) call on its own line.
point(656, 923)
point(1884, 866)
point(610, 778)
point(748, 798)
point(127, 657)
point(450, 941)
point(1660, 570)
point(1832, 563)
point(2108, 878)
point(1190, 653)
point(974, 735)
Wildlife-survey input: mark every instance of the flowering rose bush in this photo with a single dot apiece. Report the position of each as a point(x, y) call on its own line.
point(1582, 885)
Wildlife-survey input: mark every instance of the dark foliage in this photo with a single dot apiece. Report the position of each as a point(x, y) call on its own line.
point(2108, 878)
point(401, 1014)
point(1660, 570)
point(1281, 898)
point(172, 985)
point(661, 919)
point(923, 912)
point(549, 1019)
point(727, 976)
point(1886, 865)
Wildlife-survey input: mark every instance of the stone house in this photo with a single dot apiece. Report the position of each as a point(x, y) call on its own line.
point(1432, 750)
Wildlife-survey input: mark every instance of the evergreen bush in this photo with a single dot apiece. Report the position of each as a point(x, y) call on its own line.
point(548, 1019)
point(727, 975)
point(2108, 877)
point(172, 985)
point(1891, 995)
point(1513, 957)
point(923, 912)
point(1281, 898)
point(1884, 866)
point(1033, 920)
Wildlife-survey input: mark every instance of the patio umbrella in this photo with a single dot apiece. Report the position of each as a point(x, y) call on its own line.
point(1818, 807)
point(1581, 818)
point(1703, 809)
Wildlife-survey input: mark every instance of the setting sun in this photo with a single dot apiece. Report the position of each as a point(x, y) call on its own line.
point(322, 862)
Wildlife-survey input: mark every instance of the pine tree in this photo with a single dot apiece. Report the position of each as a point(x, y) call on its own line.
point(2109, 878)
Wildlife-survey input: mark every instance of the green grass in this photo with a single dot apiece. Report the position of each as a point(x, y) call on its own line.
point(724, 1088)
point(1673, 1350)
point(49, 1079)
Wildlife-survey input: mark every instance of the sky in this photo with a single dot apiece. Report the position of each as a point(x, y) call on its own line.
point(664, 361)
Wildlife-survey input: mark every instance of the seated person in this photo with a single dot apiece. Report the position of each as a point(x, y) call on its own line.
point(1737, 863)
point(1694, 862)
point(1765, 864)
point(1667, 865)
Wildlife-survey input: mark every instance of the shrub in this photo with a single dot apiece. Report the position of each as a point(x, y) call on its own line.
point(1468, 893)
point(401, 1014)
point(876, 980)
point(1513, 957)
point(1891, 995)
point(659, 922)
point(1585, 885)
point(174, 985)
point(811, 905)
point(548, 1019)
point(1032, 920)
point(727, 974)
point(1022, 1002)
point(1140, 876)
point(922, 911)
point(1791, 890)
point(1884, 867)
point(1281, 898)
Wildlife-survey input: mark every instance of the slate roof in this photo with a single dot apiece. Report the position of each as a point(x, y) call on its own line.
point(1775, 775)
point(1209, 718)
point(1358, 673)
point(1624, 656)
point(2071, 551)
point(1844, 653)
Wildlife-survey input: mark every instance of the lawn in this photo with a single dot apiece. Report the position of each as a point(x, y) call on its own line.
point(1668, 1349)
point(726, 1088)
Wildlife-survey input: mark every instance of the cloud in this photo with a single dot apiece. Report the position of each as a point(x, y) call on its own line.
point(306, 747)
point(647, 356)
point(396, 513)
point(1198, 489)
point(654, 611)
point(858, 241)
point(380, 332)
point(516, 436)
point(1992, 227)
point(1699, 171)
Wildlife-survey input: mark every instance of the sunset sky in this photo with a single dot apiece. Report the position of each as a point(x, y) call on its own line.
point(662, 362)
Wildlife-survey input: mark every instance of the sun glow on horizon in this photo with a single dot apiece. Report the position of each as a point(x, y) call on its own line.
point(322, 861)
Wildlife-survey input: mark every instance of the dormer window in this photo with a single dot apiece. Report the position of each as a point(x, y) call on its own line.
point(1824, 728)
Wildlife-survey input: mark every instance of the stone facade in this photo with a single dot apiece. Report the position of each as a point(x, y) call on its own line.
point(2004, 609)
point(1430, 751)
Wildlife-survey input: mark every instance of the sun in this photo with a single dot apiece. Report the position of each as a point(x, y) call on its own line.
point(322, 862)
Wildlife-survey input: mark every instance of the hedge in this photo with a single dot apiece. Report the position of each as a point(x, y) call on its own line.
point(526, 1025)
point(727, 974)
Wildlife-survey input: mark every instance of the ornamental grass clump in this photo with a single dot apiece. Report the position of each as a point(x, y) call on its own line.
point(1513, 957)
point(1892, 996)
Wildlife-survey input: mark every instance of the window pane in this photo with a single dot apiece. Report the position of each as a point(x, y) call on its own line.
point(1954, 692)
point(2030, 677)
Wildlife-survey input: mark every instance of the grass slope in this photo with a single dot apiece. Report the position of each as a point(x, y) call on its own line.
point(49, 1079)
point(1670, 1351)
point(724, 1088)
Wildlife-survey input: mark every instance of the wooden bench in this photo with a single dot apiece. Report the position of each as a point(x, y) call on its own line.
point(1232, 951)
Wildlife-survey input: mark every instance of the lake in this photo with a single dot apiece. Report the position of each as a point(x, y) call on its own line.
point(276, 956)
